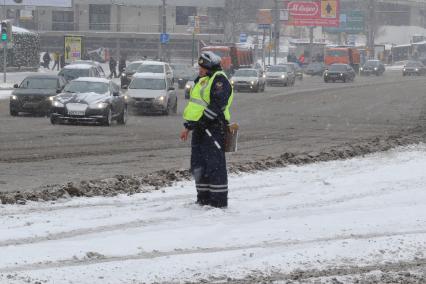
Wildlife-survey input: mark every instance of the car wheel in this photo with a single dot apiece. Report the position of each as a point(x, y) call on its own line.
point(53, 120)
point(122, 119)
point(108, 117)
point(13, 112)
point(175, 107)
point(167, 110)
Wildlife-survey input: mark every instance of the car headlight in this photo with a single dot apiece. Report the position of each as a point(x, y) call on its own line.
point(417, 70)
point(264, 76)
point(403, 69)
point(58, 104)
point(13, 98)
point(51, 98)
point(252, 82)
point(98, 106)
point(123, 75)
point(188, 86)
point(361, 69)
point(161, 99)
point(232, 82)
point(283, 76)
point(341, 74)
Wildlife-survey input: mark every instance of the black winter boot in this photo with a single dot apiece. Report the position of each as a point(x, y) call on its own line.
point(203, 198)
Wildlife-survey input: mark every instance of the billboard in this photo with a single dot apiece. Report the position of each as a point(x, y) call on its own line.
point(51, 3)
point(324, 13)
point(73, 48)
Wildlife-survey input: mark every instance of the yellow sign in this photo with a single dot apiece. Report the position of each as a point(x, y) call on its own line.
point(73, 48)
point(329, 9)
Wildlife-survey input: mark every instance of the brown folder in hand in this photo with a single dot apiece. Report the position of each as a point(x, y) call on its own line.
point(231, 138)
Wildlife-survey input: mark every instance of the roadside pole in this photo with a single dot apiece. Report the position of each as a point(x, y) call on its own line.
point(4, 61)
point(193, 48)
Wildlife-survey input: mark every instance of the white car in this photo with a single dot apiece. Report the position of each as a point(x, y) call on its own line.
point(157, 68)
point(151, 92)
point(74, 71)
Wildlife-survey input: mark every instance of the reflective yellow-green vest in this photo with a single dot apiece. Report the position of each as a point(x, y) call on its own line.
point(200, 99)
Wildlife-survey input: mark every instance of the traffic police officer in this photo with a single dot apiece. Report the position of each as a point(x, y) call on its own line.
point(207, 115)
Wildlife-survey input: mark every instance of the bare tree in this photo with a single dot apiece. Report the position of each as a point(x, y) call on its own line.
point(238, 14)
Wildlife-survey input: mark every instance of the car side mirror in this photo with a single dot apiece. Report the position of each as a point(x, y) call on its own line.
point(171, 88)
point(58, 91)
point(116, 94)
point(16, 86)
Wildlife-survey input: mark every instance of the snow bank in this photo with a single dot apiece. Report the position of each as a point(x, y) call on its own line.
point(363, 211)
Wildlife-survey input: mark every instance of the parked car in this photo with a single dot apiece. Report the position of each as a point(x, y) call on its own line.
point(249, 80)
point(95, 100)
point(182, 73)
point(74, 71)
point(413, 68)
point(315, 69)
point(298, 71)
point(157, 67)
point(280, 75)
point(339, 72)
point(151, 92)
point(93, 63)
point(375, 67)
point(35, 94)
point(127, 76)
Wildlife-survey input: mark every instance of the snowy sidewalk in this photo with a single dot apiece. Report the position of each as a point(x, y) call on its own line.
point(359, 212)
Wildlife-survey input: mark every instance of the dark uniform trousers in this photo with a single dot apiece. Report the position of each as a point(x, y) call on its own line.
point(208, 165)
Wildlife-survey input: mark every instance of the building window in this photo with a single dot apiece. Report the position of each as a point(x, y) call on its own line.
point(182, 14)
point(99, 17)
point(62, 20)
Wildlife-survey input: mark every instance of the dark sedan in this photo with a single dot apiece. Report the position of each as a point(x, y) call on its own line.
point(95, 100)
point(414, 68)
point(35, 93)
point(339, 72)
point(315, 69)
point(127, 75)
point(182, 74)
point(375, 67)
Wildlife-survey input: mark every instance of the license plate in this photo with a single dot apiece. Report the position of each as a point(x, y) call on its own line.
point(30, 105)
point(72, 112)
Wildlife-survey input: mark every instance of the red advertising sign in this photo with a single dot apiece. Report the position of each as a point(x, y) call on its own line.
point(323, 13)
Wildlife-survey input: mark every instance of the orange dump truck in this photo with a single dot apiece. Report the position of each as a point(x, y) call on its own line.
point(233, 57)
point(344, 55)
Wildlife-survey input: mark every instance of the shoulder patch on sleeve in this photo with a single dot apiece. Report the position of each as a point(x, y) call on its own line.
point(219, 85)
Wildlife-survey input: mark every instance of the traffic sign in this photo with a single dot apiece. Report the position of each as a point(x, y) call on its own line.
point(351, 22)
point(263, 26)
point(243, 37)
point(164, 38)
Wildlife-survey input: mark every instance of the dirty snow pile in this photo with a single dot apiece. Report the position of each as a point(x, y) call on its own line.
point(363, 212)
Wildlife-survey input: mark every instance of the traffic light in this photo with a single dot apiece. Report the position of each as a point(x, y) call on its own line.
point(4, 34)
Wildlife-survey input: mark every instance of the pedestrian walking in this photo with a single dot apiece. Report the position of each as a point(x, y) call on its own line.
point(121, 65)
point(56, 57)
point(207, 115)
point(112, 67)
point(62, 60)
point(46, 59)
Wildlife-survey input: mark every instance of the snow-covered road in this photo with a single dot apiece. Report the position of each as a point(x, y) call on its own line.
point(361, 212)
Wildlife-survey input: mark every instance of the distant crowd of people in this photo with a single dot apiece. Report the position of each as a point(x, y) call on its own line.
point(58, 59)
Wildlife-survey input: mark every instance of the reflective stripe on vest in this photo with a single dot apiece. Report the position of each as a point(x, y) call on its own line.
point(200, 99)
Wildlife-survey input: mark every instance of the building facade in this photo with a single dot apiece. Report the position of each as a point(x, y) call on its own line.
point(143, 16)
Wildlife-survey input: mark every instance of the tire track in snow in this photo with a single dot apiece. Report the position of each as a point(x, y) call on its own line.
point(180, 252)
point(83, 232)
